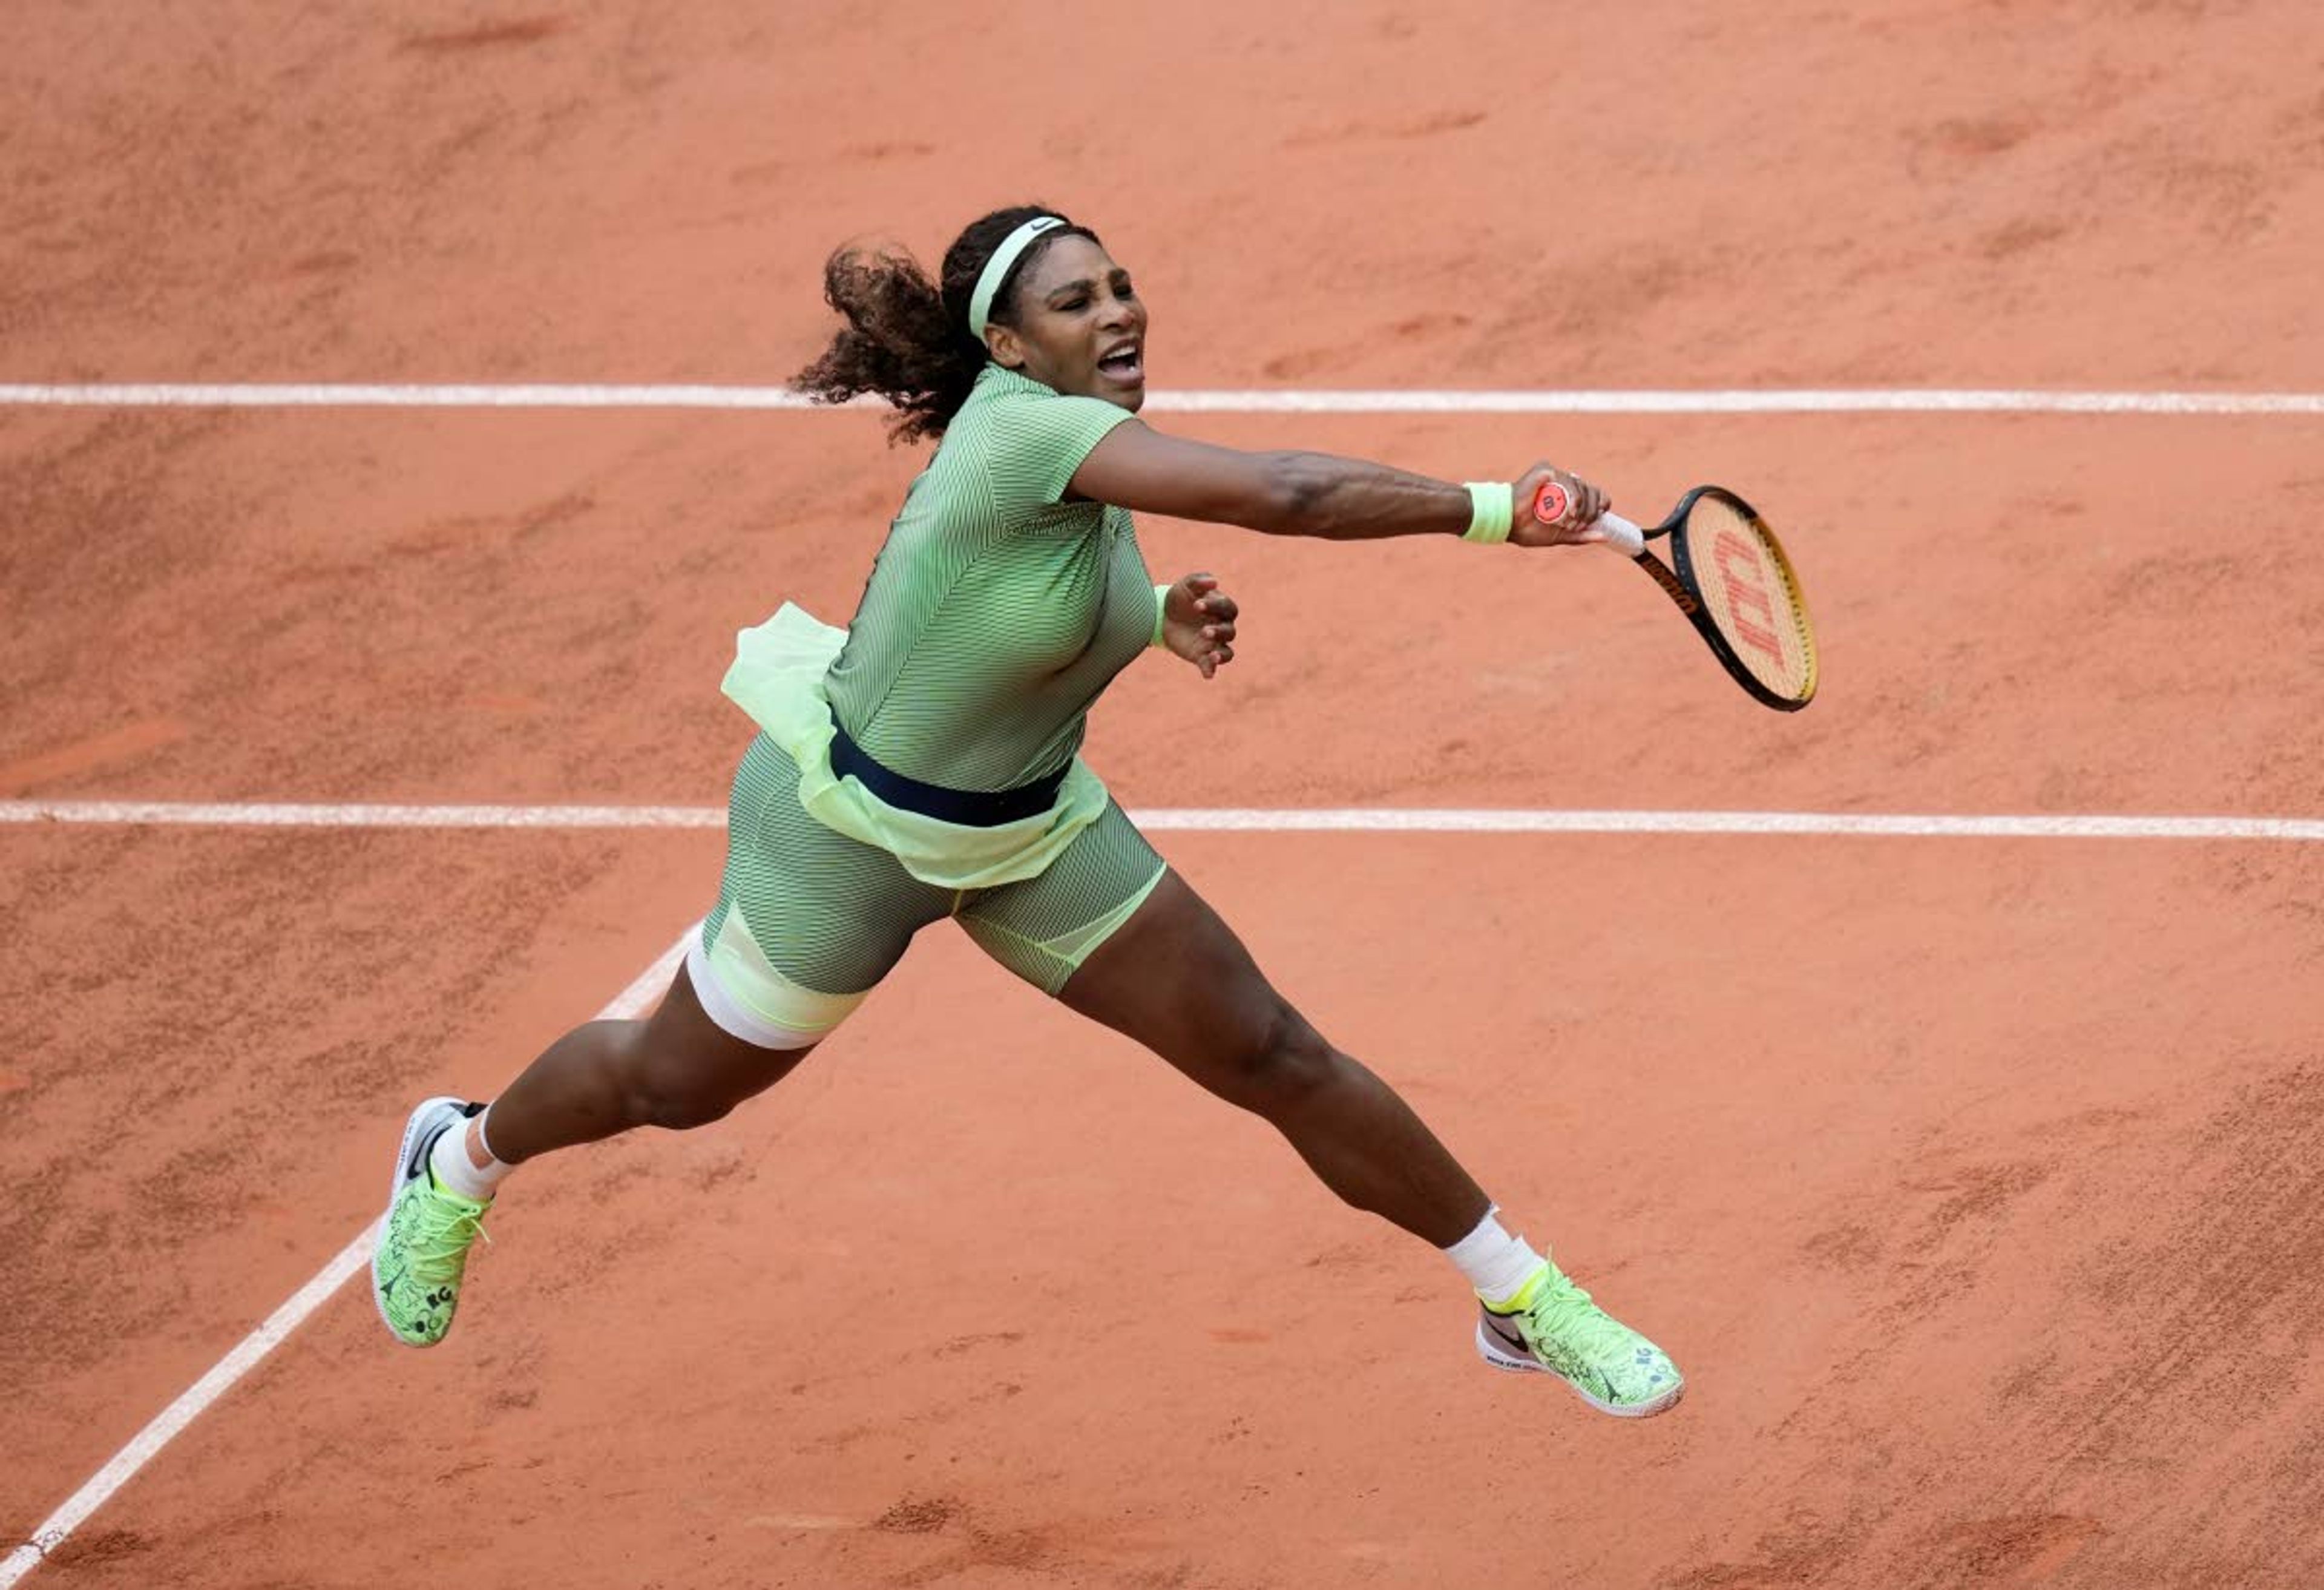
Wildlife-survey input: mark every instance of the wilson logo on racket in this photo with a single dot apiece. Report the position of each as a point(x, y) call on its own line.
point(1738, 562)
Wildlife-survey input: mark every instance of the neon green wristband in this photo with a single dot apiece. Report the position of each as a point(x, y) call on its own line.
point(1161, 608)
point(1492, 505)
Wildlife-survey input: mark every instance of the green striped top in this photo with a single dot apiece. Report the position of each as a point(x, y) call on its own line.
point(995, 612)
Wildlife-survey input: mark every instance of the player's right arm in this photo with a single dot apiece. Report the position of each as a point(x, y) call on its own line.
point(1137, 468)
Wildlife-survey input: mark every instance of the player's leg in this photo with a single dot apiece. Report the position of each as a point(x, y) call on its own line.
point(807, 922)
point(678, 1068)
point(1166, 970)
point(1177, 979)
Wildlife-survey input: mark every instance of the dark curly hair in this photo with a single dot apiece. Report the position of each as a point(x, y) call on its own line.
point(906, 338)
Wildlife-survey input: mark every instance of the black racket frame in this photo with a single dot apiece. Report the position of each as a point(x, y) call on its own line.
point(1681, 586)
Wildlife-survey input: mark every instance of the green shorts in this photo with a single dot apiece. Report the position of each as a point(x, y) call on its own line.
point(808, 920)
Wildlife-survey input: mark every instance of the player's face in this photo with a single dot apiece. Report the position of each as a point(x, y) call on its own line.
point(1081, 326)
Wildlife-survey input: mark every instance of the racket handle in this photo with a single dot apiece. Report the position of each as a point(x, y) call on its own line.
point(1623, 536)
point(1550, 504)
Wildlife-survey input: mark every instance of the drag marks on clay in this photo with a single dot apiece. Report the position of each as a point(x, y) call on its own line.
point(970, 1343)
point(161, 1191)
point(510, 1374)
point(69, 1255)
point(2232, 202)
point(1989, 1552)
point(2293, 896)
point(1975, 1194)
point(111, 749)
point(1852, 1248)
point(1924, 1247)
point(181, 1308)
point(1969, 139)
point(732, 1167)
point(2023, 235)
point(1802, 1558)
point(2179, 1332)
point(98, 1549)
point(2174, 582)
point(2302, 128)
point(1609, 294)
point(931, 1538)
point(1400, 129)
point(769, 173)
point(1429, 330)
point(530, 29)
point(2021, 1550)
point(967, 1542)
point(2217, 1295)
point(83, 516)
point(915, 1516)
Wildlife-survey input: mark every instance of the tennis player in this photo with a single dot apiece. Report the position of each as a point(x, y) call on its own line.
point(921, 765)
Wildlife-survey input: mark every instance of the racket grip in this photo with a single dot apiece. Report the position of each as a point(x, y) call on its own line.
point(1623, 536)
point(1551, 504)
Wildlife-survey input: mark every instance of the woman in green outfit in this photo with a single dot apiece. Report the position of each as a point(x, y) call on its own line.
point(921, 763)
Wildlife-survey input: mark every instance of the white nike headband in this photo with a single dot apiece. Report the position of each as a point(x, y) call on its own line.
point(996, 270)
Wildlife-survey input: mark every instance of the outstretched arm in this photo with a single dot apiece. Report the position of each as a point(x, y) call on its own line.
point(1140, 468)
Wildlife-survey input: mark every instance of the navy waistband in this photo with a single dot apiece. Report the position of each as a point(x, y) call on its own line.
point(971, 808)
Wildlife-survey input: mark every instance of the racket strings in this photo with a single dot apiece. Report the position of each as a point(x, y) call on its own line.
point(1751, 595)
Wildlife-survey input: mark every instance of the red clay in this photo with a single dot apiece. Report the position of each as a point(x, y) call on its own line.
point(1969, 1181)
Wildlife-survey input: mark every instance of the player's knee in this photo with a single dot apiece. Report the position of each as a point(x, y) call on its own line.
point(1287, 1062)
point(659, 1089)
point(683, 1110)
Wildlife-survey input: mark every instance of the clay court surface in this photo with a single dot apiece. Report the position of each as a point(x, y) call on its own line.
point(1973, 1181)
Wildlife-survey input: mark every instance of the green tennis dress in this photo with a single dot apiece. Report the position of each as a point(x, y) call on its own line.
point(996, 614)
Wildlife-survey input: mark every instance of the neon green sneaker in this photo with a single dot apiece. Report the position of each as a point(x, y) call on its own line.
point(1551, 1327)
point(423, 1246)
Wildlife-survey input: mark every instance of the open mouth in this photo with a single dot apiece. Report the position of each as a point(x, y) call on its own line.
point(1125, 363)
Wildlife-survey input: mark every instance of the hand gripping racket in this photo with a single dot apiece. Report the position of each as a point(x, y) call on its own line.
point(1732, 579)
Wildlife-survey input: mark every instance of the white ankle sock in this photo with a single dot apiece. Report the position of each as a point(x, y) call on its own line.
point(1495, 1263)
point(456, 1172)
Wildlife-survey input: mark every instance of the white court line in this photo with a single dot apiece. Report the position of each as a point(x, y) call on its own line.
point(1201, 819)
point(58, 1526)
point(1262, 401)
point(279, 815)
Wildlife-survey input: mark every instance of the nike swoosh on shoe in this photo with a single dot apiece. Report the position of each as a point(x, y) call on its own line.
point(1515, 1343)
point(417, 1166)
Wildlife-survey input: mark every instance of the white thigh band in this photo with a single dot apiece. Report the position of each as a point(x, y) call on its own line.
point(749, 999)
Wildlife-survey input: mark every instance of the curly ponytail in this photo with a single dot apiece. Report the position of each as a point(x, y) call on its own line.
point(906, 338)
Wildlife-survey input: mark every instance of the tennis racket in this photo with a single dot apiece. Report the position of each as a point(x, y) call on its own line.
point(1731, 578)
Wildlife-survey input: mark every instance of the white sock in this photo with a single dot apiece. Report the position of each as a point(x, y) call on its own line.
point(1495, 1263)
point(457, 1169)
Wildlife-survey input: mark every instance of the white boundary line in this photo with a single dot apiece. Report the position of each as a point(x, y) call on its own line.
point(58, 1526)
point(294, 814)
point(1731, 400)
point(1223, 820)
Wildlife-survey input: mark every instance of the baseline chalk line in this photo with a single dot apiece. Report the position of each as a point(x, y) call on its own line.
point(1219, 820)
point(1253, 400)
